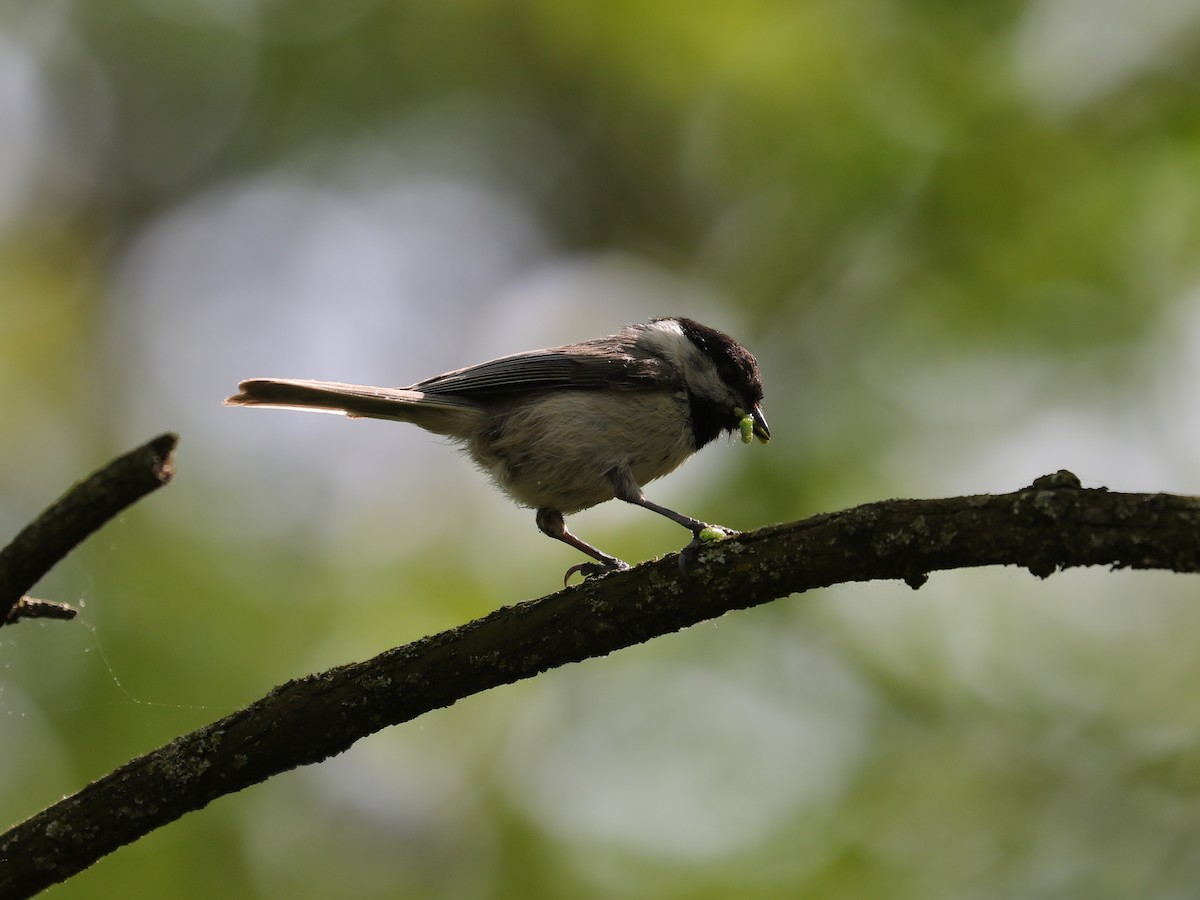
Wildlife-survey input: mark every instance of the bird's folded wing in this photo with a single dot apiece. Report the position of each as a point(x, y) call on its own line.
point(587, 366)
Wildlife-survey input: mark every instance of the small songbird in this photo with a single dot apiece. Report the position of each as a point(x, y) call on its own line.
point(566, 428)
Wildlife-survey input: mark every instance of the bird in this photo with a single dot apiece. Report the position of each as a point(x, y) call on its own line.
point(563, 429)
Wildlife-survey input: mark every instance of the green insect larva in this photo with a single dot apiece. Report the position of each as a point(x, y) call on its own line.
point(747, 428)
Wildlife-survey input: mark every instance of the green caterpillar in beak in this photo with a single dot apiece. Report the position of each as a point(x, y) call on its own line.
point(746, 426)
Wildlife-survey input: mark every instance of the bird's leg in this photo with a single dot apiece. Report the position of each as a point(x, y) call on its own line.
point(695, 526)
point(626, 488)
point(552, 524)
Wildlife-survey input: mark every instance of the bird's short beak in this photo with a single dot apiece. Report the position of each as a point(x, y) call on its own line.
point(761, 431)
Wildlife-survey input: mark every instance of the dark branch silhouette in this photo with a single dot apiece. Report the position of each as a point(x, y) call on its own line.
point(1051, 525)
point(74, 516)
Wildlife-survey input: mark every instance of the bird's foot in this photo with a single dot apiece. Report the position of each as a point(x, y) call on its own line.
point(702, 537)
point(595, 569)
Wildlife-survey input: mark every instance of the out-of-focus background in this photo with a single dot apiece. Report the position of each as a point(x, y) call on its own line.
point(962, 239)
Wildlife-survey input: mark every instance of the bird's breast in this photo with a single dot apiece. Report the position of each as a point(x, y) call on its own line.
point(558, 450)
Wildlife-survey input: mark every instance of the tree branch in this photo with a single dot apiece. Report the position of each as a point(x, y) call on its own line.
point(74, 516)
point(1051, 525)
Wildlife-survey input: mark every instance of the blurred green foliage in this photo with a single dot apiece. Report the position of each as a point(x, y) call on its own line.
point(962, 240)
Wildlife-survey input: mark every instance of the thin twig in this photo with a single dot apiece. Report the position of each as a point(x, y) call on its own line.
point(33, 608)
point(74, 516)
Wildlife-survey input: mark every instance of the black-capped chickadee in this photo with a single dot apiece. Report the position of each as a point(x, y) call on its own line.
point(563, 429)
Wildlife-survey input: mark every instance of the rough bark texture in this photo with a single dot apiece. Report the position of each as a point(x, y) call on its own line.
point(1051, 525)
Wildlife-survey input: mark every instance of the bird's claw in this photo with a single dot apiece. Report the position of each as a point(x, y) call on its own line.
point(594, 569)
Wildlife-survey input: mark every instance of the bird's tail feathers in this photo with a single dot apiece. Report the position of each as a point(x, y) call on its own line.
point(440, 414)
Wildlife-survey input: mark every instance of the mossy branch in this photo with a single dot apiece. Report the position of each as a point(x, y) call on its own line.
point(1051, 525)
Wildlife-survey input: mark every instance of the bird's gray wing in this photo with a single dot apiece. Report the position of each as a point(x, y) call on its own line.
point(590, 365)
